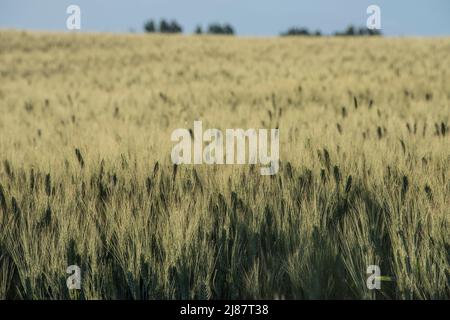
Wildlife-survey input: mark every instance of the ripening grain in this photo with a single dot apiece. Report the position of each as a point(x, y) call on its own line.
point(86, 176)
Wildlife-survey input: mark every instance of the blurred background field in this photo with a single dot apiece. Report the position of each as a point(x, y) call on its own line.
point(86, 177)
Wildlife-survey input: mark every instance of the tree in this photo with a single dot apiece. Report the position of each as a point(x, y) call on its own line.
point(198, 30)
point(295, 31)
point(174, 27)
point(373, 32)
point(350, 31)
point(361, 31)
point(149, 26)
point(164, 26)
point(228, 29)
point(216, 28)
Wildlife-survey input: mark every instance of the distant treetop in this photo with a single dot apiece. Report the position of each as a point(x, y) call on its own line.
point(361, 31)
point(163, 27)
point(216, 28)
point(350, 31)
point(295, 31)
point(173, 27)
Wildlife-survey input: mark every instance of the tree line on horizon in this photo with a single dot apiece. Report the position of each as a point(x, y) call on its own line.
point(349, 31)
point(173, 27)
point(165, 26)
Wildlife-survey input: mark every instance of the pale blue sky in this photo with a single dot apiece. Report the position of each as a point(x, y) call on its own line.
point(249, 17)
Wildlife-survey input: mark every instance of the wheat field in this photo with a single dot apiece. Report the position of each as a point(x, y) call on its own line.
point(86, 177)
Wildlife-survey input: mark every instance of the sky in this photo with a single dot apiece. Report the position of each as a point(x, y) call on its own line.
point(248, 17)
